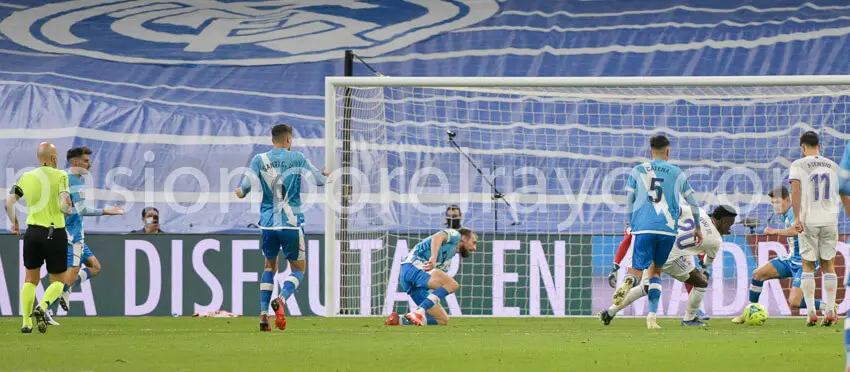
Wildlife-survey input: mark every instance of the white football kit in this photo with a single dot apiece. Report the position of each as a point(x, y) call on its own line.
point(819, 206)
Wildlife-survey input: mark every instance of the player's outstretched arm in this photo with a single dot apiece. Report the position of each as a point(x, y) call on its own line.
point(791, 231)
point(321, 176)
point(84, 209)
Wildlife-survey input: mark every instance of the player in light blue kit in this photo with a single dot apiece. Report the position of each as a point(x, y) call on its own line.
point(788, 266)
point(79, 162)
point(280, 173)
point(423, 274)
point(654, 189)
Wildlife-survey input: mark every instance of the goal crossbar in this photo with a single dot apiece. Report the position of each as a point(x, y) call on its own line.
point(603, 81)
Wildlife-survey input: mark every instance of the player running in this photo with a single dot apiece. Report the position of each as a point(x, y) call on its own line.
point(788, 266)
point(654, 189)
point(281, 220)
point(680, 263)
point(79, 161)
point(814, 200)
point(423, 275)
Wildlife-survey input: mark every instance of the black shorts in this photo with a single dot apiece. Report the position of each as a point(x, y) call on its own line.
point(39, 250)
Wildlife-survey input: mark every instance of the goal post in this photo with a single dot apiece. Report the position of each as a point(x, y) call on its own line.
point(559, 149)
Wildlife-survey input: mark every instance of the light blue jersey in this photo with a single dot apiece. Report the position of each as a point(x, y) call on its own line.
point(421, 253)
point(654, 189)
point(793, 242)
point(74, 222)
point(280, 172)
point(844, 173)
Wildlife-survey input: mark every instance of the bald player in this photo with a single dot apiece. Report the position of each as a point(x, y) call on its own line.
point(45, 190)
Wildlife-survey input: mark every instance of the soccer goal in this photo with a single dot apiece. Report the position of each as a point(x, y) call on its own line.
point(538, 167)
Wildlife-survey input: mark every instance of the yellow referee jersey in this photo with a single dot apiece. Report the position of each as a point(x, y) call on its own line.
point(42, 189)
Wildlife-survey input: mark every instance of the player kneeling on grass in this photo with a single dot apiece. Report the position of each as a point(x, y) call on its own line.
point(423, 275)
point(680, 263)
point(789, 266)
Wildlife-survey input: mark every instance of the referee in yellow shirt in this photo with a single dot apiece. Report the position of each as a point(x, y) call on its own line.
point(45, 190)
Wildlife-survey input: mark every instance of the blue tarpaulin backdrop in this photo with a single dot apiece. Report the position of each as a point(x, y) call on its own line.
point(153, 86)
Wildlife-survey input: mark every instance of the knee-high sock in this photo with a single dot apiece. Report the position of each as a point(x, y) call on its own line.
point(290, 284)
point(830, 286)
point(654, 294)
point(51, 294)
point(633, 295)
point(27, 302)
point(266, 288)
point(755, 290)
point(694, 303)
point(807, 284)
point(433, 298)
point(82, 276)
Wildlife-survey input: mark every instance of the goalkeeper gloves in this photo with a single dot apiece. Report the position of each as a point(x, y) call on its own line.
point(612, 277)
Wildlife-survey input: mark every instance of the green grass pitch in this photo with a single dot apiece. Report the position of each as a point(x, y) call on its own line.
point(467, 344)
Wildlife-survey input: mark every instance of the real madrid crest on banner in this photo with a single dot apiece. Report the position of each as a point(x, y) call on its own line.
point(236, 33)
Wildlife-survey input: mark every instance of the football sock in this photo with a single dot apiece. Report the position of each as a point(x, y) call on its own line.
point(290, 285)
point(83, 275)
point(27, 301)
point(755, 290)
point(807, 284)
point(654, 295)
point(830, 285)
point(694, 302)
point(266, 287)
point(434, 298)
point(51, 294)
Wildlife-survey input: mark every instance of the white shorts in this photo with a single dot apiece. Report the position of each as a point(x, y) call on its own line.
point(679, 266)
point(818, 243)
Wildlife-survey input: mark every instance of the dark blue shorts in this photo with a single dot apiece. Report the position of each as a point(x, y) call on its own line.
point(651, 248)
point(414, 281)
point(291, 242)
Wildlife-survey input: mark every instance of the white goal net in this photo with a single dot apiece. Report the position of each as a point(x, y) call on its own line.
point(559, 150)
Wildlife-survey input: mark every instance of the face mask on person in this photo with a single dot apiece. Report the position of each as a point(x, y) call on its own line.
point(453, 219)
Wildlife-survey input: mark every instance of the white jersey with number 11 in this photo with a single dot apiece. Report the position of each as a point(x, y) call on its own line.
point(819, 200)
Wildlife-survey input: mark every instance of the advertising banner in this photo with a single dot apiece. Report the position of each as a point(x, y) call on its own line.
point(531, 275)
